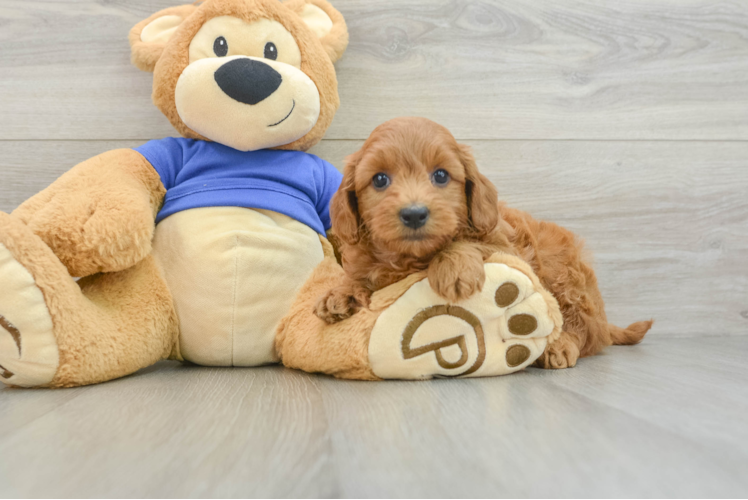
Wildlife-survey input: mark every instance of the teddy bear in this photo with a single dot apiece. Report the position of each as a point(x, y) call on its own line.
point(187, 248)
point(212, 247)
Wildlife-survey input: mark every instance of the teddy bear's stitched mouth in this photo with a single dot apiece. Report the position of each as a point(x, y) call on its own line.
point(293, 106)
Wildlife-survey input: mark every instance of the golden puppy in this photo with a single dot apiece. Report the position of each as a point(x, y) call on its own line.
point(412, 199)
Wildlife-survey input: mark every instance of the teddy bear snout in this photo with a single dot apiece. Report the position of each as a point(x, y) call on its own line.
point(247, 80)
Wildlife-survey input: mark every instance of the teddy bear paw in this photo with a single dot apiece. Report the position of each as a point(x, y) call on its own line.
point(28, 349)
point(500, 330)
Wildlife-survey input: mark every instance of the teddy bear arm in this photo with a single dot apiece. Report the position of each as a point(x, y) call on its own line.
point(100, 215)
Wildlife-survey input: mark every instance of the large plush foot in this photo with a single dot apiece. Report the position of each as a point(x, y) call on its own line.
point(29, 354)
point(500, 330)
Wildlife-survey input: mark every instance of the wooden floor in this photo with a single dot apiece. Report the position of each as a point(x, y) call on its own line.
point(625, 121)
point(666, 418)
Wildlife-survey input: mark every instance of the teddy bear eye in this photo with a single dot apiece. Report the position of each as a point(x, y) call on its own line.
point(380, 180)
point(220, 46)
point(440, 177)
point(271, 51)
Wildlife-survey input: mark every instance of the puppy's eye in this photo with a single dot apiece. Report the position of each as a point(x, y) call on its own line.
point(380, 181)
point(440, 177)
point(271, 51)
point(220, 46)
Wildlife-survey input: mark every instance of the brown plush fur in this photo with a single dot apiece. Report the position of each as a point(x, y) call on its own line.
point(334, 42)
point(317, 55)
point(99, 216)
point(466, 225)
point(307, 343)
point(144, 56)
point(106, 325)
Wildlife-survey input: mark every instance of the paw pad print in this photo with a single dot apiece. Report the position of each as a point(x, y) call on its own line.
point(28, 349)
point(16, 337)
point(500, 330)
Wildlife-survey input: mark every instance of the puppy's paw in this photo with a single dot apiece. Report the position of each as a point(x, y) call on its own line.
point(456, 280)
point(336, 306)
point(563, 353)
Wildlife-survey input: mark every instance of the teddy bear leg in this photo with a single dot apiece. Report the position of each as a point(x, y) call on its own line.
point(55, 332)
point(305, 342)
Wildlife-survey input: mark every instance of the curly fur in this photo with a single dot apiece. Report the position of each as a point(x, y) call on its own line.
point(467, 224)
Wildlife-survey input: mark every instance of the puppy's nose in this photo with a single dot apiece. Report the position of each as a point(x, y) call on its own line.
point(414, 216)
point(247, 81)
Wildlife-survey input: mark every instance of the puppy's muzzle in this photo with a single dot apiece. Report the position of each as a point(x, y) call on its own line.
point(248, 81)
point(414, 216)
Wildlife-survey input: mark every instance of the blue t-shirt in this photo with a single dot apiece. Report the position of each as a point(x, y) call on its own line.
point(206, 174)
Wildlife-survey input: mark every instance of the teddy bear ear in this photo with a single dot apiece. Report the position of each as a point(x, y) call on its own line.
point(325, 22)
point(149, 37)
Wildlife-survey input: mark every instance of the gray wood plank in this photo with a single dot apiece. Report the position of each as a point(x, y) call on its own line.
point(667, 223)
point(714, 374)
point(545, 434)
point(581, 69)
point(187, 432)
point(647, 421)
point(28, 406)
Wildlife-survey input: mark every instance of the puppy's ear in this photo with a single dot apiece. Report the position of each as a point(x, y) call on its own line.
point(149, 37)
point(481, 194)
point(325, 22)
point(344, 205)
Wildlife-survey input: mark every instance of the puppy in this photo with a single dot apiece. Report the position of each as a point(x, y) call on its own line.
point(412, 199)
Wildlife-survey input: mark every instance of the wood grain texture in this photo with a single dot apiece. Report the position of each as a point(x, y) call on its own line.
point(667, 223)
point(644, 421)
point(581, 69)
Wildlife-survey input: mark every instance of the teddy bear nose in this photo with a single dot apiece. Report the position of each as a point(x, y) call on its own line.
point(414, 216)
point(248, 81)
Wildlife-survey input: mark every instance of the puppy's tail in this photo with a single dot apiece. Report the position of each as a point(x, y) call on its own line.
point(632, 334)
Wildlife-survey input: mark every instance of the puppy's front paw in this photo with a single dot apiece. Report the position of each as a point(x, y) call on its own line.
point(456, 280)
point(335, 306)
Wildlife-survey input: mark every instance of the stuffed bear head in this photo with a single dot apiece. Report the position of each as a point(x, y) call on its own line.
point(249, 74)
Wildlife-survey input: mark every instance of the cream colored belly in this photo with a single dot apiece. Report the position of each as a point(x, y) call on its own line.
point(234, 273)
